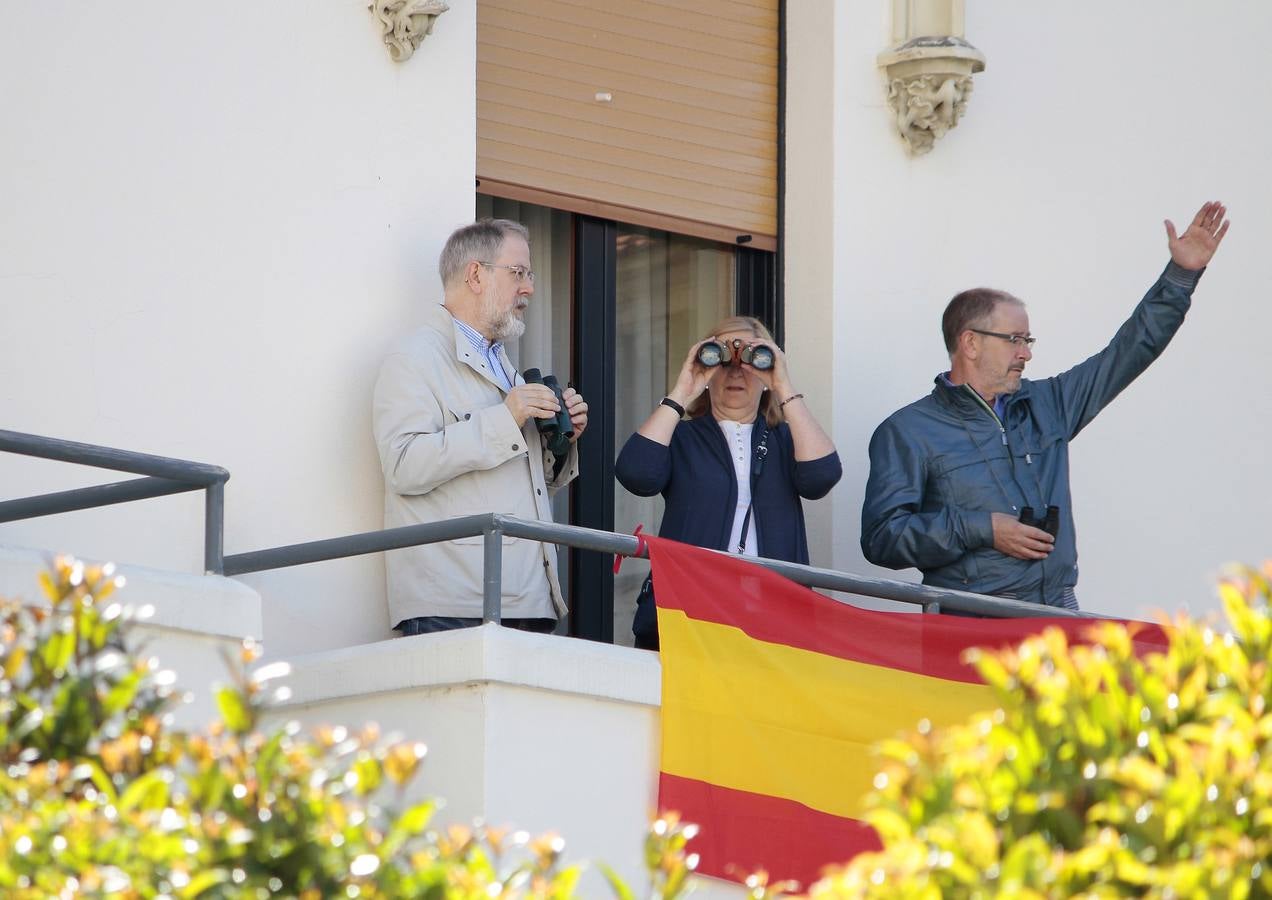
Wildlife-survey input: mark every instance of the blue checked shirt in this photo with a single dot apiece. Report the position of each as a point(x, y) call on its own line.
point(490, 352)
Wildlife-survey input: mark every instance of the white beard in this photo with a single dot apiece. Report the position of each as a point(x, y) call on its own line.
point(509, 328)
point(503, 327)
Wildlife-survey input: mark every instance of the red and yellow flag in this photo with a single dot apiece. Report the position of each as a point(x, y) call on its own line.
point(773, 694)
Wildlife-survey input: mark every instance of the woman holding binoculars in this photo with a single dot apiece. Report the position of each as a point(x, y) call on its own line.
point(732, 448)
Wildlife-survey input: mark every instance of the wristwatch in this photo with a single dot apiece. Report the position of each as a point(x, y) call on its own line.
point(672, 404)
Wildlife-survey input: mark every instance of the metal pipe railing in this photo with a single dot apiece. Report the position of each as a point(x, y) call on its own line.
point(90, 497)
point(57, 449)
point(356, 544)
point(163, 476)
point(493, 526)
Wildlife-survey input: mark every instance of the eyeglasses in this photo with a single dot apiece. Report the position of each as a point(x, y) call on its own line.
point(1014, 339)
point(520, 273)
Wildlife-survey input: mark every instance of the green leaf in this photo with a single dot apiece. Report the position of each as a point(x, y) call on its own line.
point(416, 819)
point(122, 693)
point(57, 651)
point(616, 883)
point(565, 882)
point(234, 711)
point(150, 791)
point(203, 880)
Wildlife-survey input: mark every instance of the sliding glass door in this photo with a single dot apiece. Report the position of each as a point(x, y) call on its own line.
point(670, 290)
point(616, 308)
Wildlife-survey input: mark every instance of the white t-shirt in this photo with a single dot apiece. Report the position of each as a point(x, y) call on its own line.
point(738, 436)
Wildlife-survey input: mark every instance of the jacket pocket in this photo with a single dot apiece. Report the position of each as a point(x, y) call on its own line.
point(968, 482)
point(458, 414)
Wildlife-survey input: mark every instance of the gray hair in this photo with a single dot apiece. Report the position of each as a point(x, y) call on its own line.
point(480, 242)
point(971, 309)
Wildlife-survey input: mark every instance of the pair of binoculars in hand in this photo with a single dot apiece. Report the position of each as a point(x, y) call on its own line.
point(559, 429)
point(1049, 523)
point(734, 352)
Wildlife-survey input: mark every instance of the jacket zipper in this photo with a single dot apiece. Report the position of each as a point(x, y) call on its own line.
point(1002, 430)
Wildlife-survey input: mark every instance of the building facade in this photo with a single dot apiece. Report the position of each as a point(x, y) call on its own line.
point(214, 219)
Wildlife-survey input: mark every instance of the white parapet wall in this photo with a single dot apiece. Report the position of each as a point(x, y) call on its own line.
point(535, 732)
point(194, 621)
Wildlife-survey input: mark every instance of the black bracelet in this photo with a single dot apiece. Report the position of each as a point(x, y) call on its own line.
point(673, 405)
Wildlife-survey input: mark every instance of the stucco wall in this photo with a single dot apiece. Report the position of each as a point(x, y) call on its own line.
point(1092, 123)
point(212, 220)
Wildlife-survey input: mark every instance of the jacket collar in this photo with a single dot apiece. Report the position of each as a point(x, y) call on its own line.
point(439, 319)
point(958, 396)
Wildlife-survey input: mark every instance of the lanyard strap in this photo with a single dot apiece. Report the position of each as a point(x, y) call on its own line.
point(757, 466)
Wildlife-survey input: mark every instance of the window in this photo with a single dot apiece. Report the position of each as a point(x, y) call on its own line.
point(615, 309)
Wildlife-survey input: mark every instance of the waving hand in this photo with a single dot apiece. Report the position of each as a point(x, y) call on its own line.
point(1193, 248)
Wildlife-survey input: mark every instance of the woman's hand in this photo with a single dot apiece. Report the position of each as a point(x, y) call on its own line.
point(776, 379)
point(693, 378)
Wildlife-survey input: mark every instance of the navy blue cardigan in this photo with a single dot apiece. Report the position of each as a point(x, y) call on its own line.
point(696, 478)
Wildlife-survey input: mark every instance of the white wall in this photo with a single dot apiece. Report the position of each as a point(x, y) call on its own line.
point(213, 218)
point(523, 731)
point(810, 245)
point(190, 624)
point(1092, 123)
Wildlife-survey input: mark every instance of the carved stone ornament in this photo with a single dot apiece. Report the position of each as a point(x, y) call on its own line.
point(406, 23)
point(927, 107)
point(929, 81)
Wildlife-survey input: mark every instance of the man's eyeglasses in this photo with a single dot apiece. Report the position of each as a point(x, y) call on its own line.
point(521, 273)
point(1014, 339)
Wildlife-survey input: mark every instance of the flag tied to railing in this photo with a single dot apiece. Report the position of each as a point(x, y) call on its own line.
point(772, 696)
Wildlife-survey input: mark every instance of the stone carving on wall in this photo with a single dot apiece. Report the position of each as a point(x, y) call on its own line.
point(927, 106)
point(929, 77)
point(406, 23)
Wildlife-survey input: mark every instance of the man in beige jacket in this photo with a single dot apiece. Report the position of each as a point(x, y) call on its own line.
point(454, 424)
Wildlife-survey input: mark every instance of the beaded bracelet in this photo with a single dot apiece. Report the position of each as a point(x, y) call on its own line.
point(782, 405)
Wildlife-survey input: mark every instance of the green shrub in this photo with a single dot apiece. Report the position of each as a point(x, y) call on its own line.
point(99, 795)
point(1103, 774)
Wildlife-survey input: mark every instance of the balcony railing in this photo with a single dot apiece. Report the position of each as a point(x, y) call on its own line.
point(170, 476)
point(163, 476)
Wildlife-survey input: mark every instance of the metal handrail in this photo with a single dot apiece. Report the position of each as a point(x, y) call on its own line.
point(492, 526)
point(162, 476)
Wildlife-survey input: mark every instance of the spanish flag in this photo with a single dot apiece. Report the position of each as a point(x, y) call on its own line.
point(773, 694)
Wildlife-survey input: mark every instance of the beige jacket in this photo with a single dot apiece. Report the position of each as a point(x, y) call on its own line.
point(449, 447)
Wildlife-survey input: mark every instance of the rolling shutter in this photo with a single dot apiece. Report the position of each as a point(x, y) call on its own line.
point(655, 113)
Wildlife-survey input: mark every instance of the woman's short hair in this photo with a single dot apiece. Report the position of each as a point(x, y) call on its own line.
point(701, 405)
point(480, 241)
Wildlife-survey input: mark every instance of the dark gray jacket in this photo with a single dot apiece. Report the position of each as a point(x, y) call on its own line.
point(940, 466)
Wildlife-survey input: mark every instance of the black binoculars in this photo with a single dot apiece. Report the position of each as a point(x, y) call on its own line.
point(727, 353)
point(558, 429)
point(1049, 523)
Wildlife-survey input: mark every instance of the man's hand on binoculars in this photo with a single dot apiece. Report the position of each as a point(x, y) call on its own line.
point(1015, 538)
point(532, 401)
point(577, 407)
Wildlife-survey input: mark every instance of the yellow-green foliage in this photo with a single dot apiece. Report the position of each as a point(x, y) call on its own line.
point(100, 796)
point(1103, 774)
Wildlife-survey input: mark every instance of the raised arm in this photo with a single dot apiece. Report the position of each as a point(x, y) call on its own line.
point(810, 440)
point(1083, 391)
